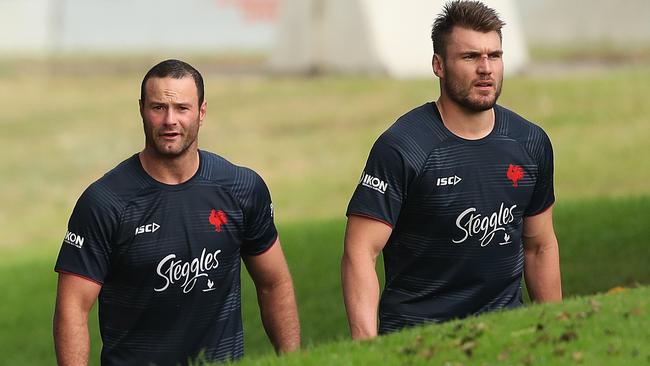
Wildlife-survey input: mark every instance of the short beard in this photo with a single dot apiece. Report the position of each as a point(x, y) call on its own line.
point(461, 96)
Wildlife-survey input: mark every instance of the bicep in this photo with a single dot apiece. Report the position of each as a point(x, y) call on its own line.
point(365, 235)
point(76, 292)
point(538, 229)
point(269, 267)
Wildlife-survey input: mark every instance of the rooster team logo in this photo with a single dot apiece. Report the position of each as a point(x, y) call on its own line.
point(218, 218)
point(515, 173)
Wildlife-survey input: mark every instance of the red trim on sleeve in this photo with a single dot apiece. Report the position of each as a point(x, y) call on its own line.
point(275, 240)
point(542, 210)
point(372, 218)
point(60, 271)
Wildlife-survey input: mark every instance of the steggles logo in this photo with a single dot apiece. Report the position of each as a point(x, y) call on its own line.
point(186, 273)
point(474, 224)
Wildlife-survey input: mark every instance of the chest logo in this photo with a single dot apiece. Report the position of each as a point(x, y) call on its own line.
point(515, 173)
point(148, 228)
point(218, 218)
point(448, 181)
point(484, 227)
point(186, 273)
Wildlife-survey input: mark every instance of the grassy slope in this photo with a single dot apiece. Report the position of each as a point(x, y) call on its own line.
point(603, 245)
point(308, 138)
point(603, 330)
point(591, 263)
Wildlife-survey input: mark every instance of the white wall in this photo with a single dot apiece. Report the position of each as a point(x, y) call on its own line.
point(557, 22)
point(372, 36)
point(24, 26)
point(128, 26)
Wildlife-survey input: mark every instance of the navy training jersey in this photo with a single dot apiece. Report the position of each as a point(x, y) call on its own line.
point(456, 207)
point(168, 259)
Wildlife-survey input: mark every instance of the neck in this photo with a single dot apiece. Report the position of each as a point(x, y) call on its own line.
point(463, 122)
point(170, 170)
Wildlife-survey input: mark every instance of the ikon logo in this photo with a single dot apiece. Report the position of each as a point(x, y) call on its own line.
point(448, 181)
point(74, 239)
point(375, 183)
point(149, 228)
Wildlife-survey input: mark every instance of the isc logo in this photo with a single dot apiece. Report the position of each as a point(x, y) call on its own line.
point(149, 228)
point(448, 181)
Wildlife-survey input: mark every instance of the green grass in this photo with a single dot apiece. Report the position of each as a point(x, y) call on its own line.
point(604, 52)
point(601, 330)
point(600, 249)
point(309, 139)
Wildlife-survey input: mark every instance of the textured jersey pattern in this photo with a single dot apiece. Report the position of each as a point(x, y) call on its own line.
point(456, 207)
point(168, 259)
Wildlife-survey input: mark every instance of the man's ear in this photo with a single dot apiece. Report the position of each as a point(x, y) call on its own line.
point(141, 105)
point(437, 65)
point(202, 111)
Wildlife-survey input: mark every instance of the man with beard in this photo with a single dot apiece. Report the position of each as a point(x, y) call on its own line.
point(457, 193)
point(159, 240)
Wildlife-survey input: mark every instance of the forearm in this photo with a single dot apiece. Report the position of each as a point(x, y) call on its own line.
point(279, 314)
point(361, 296)
point(71, 338)
point(542, 272)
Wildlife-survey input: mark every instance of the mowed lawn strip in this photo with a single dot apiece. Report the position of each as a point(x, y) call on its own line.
point(609, 329)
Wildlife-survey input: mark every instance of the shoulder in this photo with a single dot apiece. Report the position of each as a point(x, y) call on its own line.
point(531, 136)
point(219, 170)
point(240, 180)
point(420, 125)
point(518, 127)
point(112, 192)
point(413, 135)
point(123, 181)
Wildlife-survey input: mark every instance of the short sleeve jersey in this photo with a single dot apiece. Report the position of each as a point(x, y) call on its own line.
point(168, 259)
point(456, 207)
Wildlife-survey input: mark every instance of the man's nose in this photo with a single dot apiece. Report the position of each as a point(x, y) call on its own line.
point(484, 66)
point(169, 116)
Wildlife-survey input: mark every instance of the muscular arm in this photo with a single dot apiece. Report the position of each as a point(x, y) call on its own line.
point(276, 298)
point(542, 258)
point(75, 297)
point(364, 240)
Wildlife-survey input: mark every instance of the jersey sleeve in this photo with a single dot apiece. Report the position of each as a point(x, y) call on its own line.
point(86, 247)
point(383, 184)
point(543, 194)
point(260, 232)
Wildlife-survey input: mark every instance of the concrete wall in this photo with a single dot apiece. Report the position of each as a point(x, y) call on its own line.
point(39, 26)
point(128, 26)
point(372, 36)
point(557, 22)
point(24, 26)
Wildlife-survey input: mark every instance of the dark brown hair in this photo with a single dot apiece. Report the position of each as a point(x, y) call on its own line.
point(473, 15)
point(175, 69)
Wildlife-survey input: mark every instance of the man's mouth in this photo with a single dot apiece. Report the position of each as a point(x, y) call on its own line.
point(169, 135)
point(484, 84)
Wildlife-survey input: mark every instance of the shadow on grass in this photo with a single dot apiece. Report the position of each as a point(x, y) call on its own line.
point(603, 244)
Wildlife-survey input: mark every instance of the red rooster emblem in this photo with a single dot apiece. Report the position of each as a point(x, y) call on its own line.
point(218, 218)
point(515, 173)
